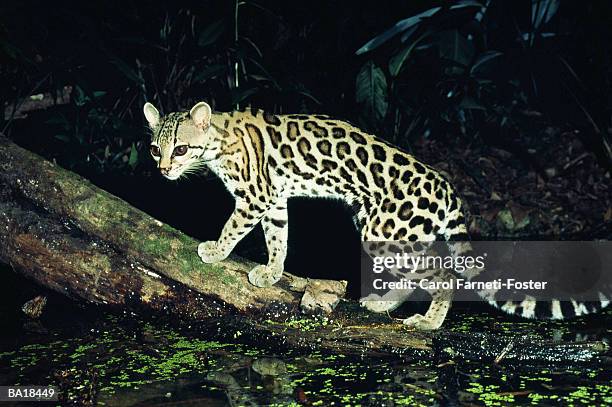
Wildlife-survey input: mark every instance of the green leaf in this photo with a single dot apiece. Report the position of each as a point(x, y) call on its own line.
point(211, 33)
point(455, 47)
point(127, 71)
point(239, 96)
point(63, 137)
point(209, 72)
point(469, 103)
point(396, 62)
point(371, 92)
point(542, 11)
point(133, 160)
point(399, 27)
point(482, 60)
point(79, 97)
point(409, 24)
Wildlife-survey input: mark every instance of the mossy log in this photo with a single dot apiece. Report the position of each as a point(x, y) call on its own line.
point(76, 239)
point(58, 226)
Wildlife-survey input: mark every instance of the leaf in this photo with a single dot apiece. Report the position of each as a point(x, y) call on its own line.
point(410, 23)
point(63, 137)
point(455, 47)
point(309, 96)
point(396, 62)
point(209, 72)
point(211, 33)
point(400, 26)
point(467, 3)
point(127, 71)
point(469, 103)
point(80, 98)
point(542, 11)
point(408, 33)
point(505, 217)
point(240, 95)
point(133, 160)
point(371, 92)
point(483, 58)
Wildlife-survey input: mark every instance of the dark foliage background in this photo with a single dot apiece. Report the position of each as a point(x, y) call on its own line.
point(472, 69)
point(522, 84)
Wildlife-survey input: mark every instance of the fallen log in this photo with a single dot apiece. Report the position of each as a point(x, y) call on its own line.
point(115, 241)
point(76, 239)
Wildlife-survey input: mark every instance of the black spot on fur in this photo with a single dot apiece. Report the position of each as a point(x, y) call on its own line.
point(379, 152)
point(329, 165)
point(388, 228)
point(398, 193)
point(567, 309)
point(400, 159)
point(419, 168)
point(362, 155)
point(338, 132)
point(454, 204)
point(405, 211)
point(317, 130)
point(342, 149)
point(286, 151)
point(324, 147)
point(293, 131)
point(407, 176)
point(344, 174)
point(423, 203)
point(427, 226)
point(451, 224)
point(416, 221)
point(400, 234)
point(271, 119)
point(543, 310)
point(358, 138)
point(362, 177)
point(275, 136)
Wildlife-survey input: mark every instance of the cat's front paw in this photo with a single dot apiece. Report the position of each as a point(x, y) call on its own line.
point(264, 276)
point(209, 252)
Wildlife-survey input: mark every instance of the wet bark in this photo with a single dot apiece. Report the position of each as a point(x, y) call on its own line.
point(69, 235)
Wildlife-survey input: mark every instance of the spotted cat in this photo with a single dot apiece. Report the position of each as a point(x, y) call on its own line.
point(265, 159)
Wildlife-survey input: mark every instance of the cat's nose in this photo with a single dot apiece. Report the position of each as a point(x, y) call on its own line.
point(165, 171)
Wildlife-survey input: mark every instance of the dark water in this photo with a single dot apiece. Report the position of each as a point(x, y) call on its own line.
point(123, 360)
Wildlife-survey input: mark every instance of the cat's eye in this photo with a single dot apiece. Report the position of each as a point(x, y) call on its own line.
point(180, 150)
point(155, 151)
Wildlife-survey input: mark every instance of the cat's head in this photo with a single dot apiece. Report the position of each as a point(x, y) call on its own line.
point(179, 140)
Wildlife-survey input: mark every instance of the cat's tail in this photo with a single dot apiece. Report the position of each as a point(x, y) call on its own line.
point(522, 304)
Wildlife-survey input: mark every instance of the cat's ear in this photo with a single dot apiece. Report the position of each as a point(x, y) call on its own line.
point(201, 114)
point(151, 114)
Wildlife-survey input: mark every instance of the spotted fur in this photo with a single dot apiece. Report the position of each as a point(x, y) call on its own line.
point(265, 159)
